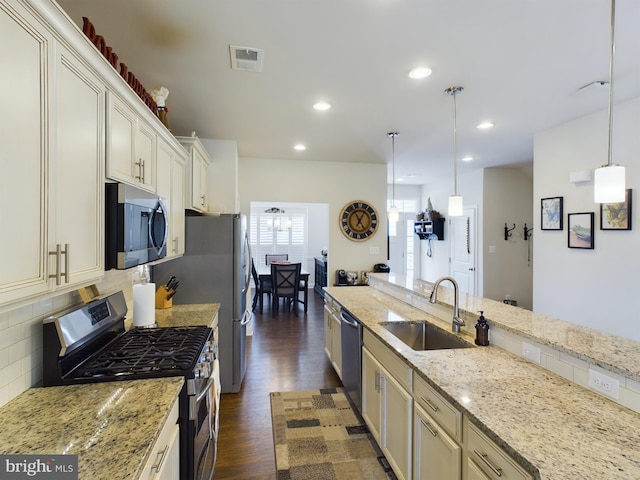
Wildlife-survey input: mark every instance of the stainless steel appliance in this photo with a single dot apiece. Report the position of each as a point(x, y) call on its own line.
point(89, 344)
point(216, 268)
point(135, 225)
point(351, 332)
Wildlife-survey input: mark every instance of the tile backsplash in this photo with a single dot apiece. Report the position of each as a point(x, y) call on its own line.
point(21, 334)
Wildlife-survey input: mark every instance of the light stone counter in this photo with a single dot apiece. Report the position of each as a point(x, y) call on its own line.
point(111, 426)
point(553, 427)
point(187, 315)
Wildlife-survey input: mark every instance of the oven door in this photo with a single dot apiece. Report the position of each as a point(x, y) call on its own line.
point(204, 418)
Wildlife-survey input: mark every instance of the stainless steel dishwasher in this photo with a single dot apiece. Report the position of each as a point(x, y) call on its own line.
point(351, 332)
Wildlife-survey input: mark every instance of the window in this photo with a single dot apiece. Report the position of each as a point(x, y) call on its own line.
point(278, 233)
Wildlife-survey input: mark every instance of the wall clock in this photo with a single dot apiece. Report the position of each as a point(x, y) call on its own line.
point(358, 220)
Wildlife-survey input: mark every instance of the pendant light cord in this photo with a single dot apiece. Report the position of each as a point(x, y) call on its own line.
point(611, 54)
point(393, 136)
point(455, 147)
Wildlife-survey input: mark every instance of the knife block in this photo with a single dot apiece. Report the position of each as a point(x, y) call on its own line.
point(163, 297)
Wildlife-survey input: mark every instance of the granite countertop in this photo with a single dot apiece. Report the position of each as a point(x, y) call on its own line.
point(553, 427)
point(111, 426)
point(187, 315)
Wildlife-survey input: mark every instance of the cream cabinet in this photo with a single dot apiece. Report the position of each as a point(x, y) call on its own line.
point(198, 163)
point(437, 435)
point(131, 146)
point(170, 186)
point(387, 405)
point(487, 461)
point(51, 162)
point(164, 461)
point(333, 334)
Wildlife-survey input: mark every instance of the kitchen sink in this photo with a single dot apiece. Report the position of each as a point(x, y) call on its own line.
point(423, 336)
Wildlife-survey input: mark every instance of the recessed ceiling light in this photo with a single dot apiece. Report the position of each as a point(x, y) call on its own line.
point(300, 147)
point(322, 106)
point(467, 158)
point(484, 125)
point(420, 72)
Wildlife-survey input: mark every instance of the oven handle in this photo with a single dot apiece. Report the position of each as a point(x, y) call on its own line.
point(196, 400)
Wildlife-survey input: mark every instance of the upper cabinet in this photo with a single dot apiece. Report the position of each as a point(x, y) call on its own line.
point(131, 146)
point(198, 163)
point(171, 180)
point(52, 162)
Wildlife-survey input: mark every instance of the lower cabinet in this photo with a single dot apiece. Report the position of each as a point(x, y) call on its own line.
point(164, 462)
point(332, 334)
point(387, 409)
point(436, 455)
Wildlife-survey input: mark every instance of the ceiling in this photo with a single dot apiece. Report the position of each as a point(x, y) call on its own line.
point(520, 62)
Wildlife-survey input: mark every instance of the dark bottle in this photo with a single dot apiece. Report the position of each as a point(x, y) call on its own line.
point(482, 331)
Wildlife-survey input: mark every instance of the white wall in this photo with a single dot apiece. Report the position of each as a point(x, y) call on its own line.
point(598, 287)
point(507, 199)
point(222, 186)
point(470, 187)
point(334, 183)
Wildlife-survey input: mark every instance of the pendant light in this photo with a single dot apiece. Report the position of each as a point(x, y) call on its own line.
point(609, 180)
point(455, 200)
point(393, 211)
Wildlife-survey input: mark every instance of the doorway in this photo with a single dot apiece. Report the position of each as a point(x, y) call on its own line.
point(403, 253)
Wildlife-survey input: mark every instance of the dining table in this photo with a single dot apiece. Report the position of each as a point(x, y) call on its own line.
point(264, 273)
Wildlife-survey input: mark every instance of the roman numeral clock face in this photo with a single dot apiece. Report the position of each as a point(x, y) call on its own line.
point(358, 221)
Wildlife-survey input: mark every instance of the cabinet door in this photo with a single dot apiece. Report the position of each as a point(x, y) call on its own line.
point(177, 205)
point(23, 154)
point(436, 455)
point(336, 344)
point(77, 170)
point(145, 156)
point(371, 405)
point(397, 411)
point(327, 331)
point(199, 181)
point(121, 134)
point(474, 472)
point(164, 158)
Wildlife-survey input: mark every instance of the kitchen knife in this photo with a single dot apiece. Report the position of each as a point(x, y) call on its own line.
point(173, 277)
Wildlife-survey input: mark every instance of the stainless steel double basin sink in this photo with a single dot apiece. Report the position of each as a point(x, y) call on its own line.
point(423, 336)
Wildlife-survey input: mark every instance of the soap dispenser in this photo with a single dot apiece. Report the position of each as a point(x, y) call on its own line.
point(482, 331)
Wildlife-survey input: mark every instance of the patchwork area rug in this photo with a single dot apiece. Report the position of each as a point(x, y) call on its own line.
point(317, 436)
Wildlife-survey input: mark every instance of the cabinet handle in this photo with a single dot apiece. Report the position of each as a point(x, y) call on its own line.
point(485, 459)
point(428, 427)
point(429, 404)
point(142, 170)
point(58, 253)
point(162, 455)
point(175, 244)
point(203, 200)
point(139, 165)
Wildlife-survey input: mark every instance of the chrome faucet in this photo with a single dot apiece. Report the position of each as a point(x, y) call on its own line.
point(457, 322)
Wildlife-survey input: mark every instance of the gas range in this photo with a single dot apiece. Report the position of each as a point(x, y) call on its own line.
point(90, 344)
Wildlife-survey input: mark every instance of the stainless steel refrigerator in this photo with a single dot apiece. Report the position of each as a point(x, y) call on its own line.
point(216, 268)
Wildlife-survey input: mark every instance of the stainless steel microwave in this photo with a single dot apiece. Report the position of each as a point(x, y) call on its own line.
point(136, 226)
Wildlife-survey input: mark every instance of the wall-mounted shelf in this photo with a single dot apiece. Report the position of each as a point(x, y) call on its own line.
point(424, 228)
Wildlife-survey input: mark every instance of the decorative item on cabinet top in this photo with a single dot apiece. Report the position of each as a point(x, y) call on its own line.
point(426, 228)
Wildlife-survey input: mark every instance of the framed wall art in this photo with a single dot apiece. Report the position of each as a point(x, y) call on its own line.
point(580, 230)
point(551, 213)
point(616, 216)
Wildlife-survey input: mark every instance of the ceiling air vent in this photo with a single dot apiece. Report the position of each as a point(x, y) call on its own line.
point(246, 58)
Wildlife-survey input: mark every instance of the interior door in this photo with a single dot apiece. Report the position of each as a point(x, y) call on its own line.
point(463, 250)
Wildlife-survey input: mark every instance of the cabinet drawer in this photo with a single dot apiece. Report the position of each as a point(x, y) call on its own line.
point(494, 462)
point(162, 449)
point(396, 367)
point(438, 407)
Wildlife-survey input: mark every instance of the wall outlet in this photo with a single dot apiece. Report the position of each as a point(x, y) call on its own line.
point(374, 250)
point(604, 384)
point(531, 352)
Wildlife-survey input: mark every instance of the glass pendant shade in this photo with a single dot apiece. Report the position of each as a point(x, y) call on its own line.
point(455, 206)
point(609, 184)
point(393, 214)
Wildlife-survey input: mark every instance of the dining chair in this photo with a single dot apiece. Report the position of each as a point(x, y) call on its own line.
point(275, 257)
point(262, 287)
point(285, 281)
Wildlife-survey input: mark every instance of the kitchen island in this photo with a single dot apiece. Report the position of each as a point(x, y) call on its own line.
point(553, 427)
point(111, 426)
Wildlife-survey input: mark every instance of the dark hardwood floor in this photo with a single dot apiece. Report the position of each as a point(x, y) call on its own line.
point(285, 353)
